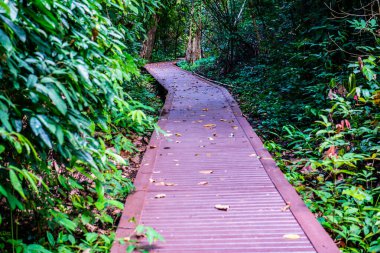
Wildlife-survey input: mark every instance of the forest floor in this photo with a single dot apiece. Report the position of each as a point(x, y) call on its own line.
point(209, 185)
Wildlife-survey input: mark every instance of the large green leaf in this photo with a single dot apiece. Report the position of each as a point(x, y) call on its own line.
point(16, 29)
point(16, 183)
point(5, 41)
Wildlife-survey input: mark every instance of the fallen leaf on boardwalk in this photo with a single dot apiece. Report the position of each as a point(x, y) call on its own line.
point(223, 120)
point(210, 138)
point(152, 180)
point(206, 171)
point(127, 239)
point(291, 236)
point(235, 127)
point(222, 207)
point(160, 184)
point(153, 146)
point(170, 184)
point(178, 142)
point(252, 155)
point(203, 183)
point(160, 196)
point(209, 125)
point(196, 155)
point(178, 134)
point(205, 109)
point(285, 208)
point(168, 135)
point(200, 121)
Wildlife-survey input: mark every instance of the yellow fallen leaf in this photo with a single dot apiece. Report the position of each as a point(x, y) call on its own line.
point(170, 184)
point(235, 127)
point(205, 109)
point(209, 125)
point(222, 207)
point(203, 183)
point(160, 196)
point(291, 236)
point(206, 171)
point(178, 134)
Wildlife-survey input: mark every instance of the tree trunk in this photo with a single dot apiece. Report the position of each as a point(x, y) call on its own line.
point(193, 51)
point(147, 47)
point(252, 6)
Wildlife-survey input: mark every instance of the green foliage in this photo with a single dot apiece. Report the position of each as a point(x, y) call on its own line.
point(311, 91)
point(66, 68)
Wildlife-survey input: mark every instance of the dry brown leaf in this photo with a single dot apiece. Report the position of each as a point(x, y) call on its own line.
point(160, 196)
point(205, 109)
point(285, 208)
point(291, 236)
point(206, 171)
point(203, 183)
point(222, 207)
point(209, 125)
point(178, 134)
point(235, 127)
point(153, 146)
point(223, 120)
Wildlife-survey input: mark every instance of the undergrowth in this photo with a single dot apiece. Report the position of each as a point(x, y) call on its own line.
point(325, 138)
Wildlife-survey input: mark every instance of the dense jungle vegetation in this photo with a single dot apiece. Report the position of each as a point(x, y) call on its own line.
point(72, 120)
point(305, 74)
point(75, 107)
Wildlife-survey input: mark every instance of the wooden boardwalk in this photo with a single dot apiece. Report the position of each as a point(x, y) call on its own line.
point(213, 157)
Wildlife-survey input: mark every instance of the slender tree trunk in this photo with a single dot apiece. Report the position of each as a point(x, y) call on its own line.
point(193, 52)
point(147, 47)
point(252, 6)
point(256, 27)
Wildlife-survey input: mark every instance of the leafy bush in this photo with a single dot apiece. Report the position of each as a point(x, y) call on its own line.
point(65, 67)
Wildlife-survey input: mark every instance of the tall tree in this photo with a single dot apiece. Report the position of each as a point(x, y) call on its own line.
point(194, 51)
point(148, 44)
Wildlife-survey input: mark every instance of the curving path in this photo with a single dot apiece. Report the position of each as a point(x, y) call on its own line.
point(212, 157)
